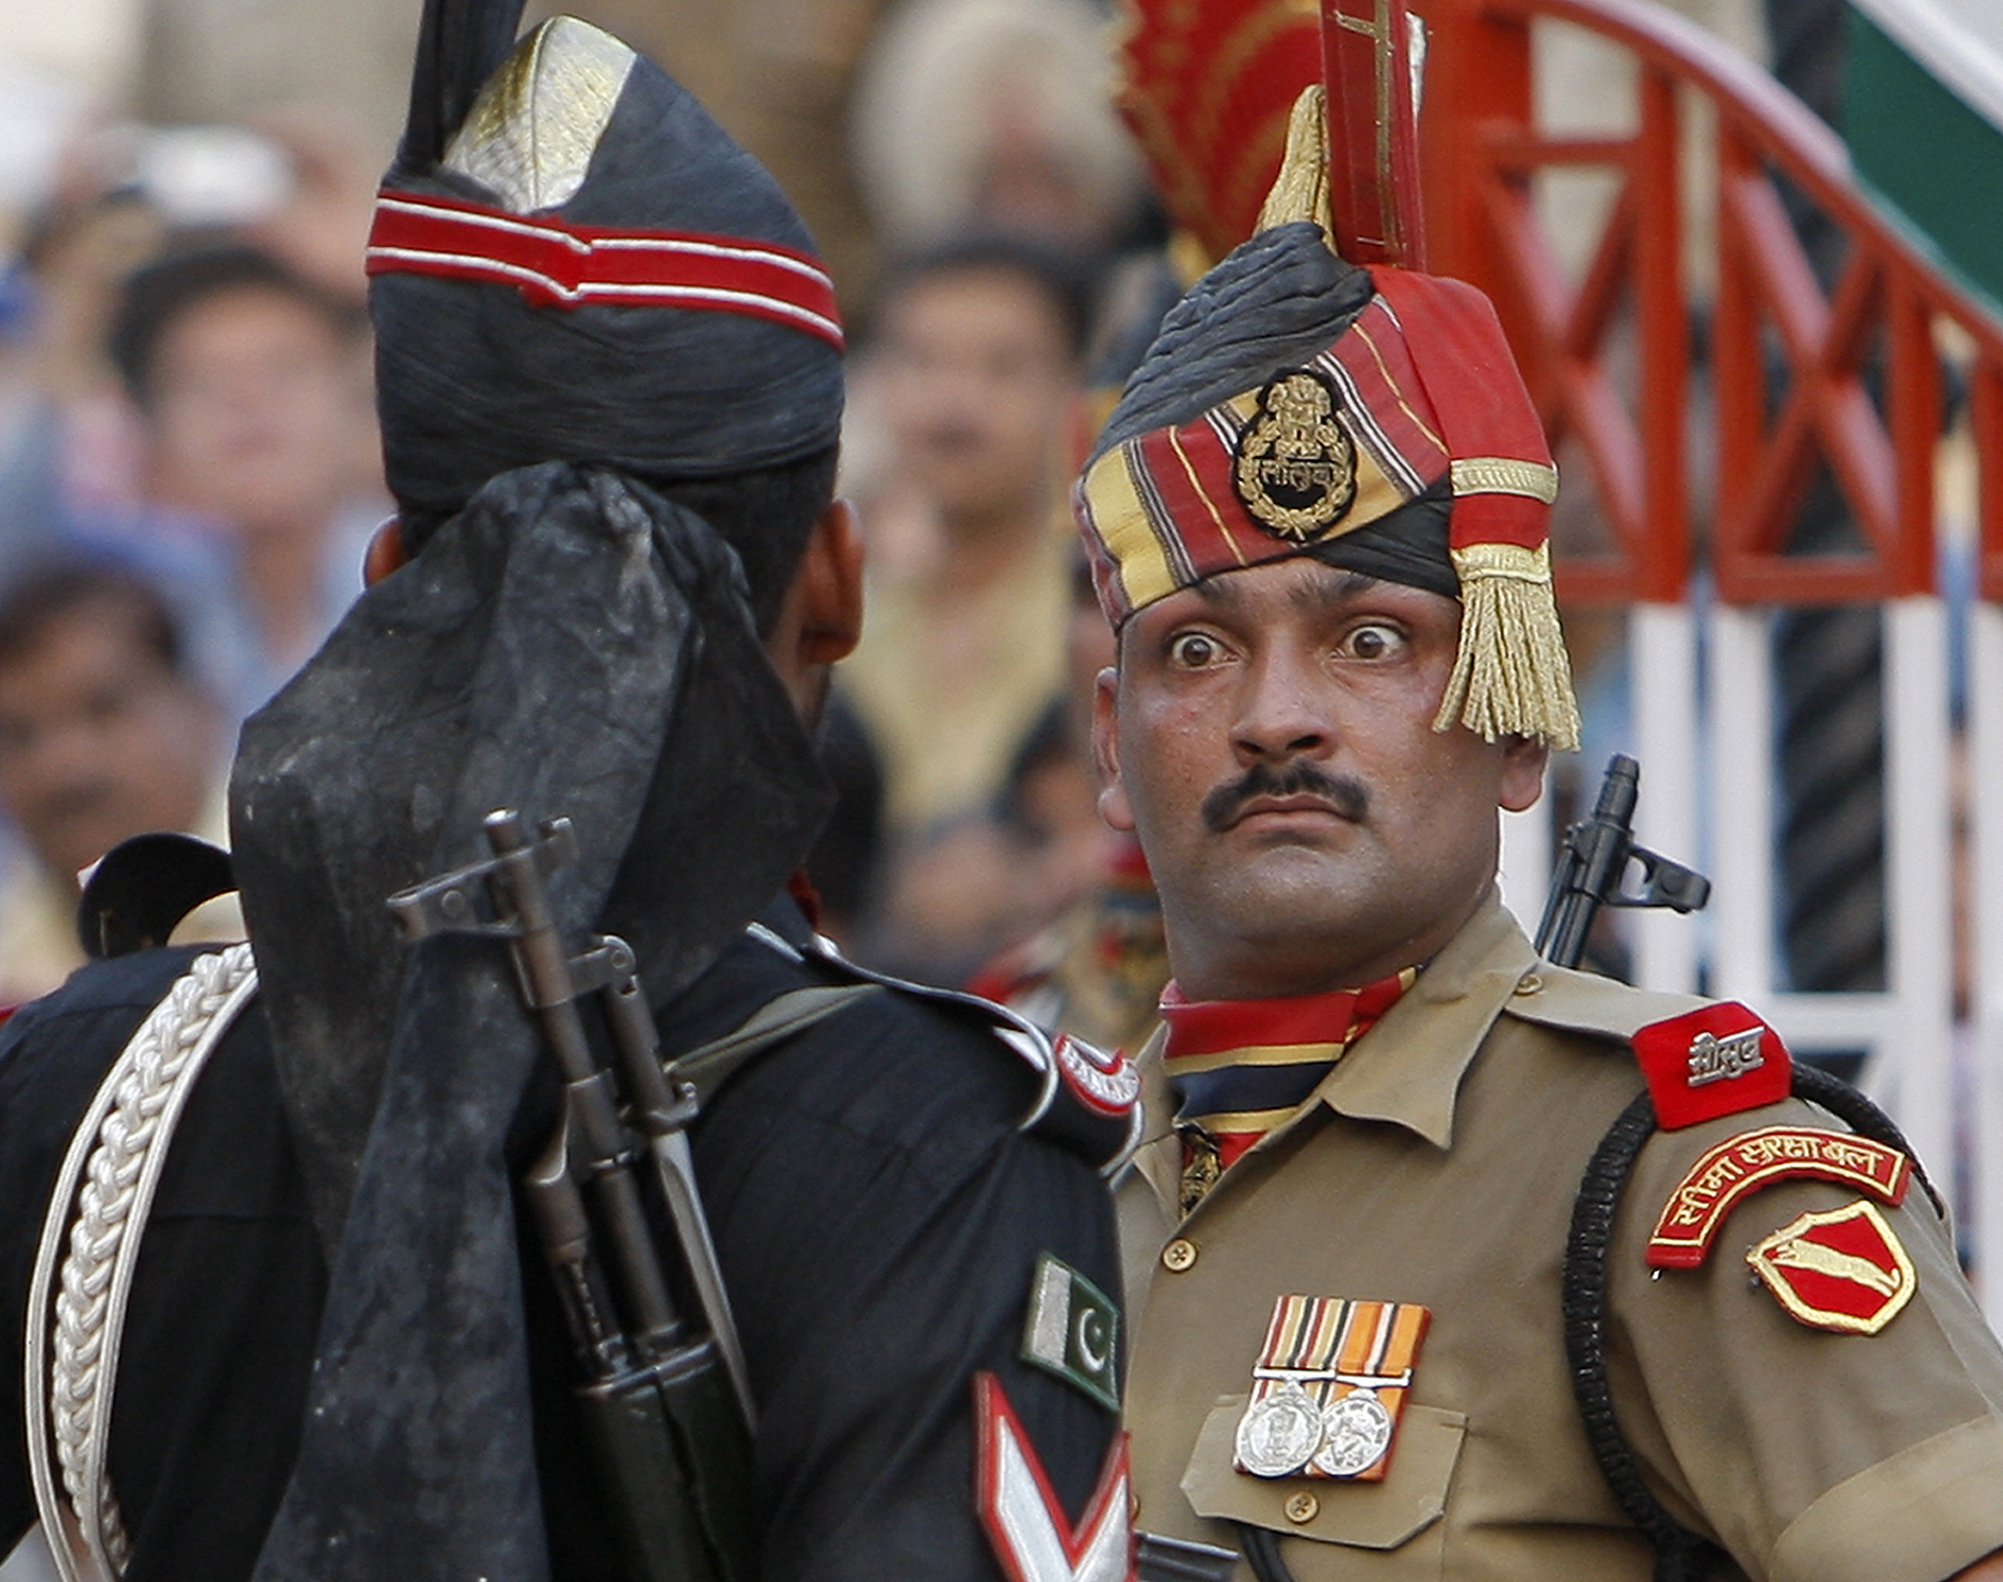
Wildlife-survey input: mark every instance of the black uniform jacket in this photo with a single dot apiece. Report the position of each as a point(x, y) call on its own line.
point(876, 1210)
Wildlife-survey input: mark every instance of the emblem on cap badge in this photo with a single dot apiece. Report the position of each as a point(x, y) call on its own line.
point(1295, 468)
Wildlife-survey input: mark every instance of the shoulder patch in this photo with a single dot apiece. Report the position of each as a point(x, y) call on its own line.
point(1715, 1061)
point(1023, 1517)
point(1073, 1331)
point(1844, 1271)
point(1090, 1099)
point(1102, 1081)
point(1737, 1168)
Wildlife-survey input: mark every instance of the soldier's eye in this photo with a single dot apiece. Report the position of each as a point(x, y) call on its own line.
point(1193, 650)
point(1374, 641)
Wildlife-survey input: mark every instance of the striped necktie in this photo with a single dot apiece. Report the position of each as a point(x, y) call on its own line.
point(1238, 1068)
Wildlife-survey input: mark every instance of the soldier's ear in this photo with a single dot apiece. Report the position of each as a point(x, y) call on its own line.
point(831, 587)
point(1523, 761)
point(1114, 807)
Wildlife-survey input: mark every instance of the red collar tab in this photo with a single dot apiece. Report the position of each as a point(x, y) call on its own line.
point(806, 897)
point(1719, 1060)
point(1209, 1027)
point(555, 265)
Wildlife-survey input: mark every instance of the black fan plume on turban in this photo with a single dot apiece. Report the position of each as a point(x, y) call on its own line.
point(460, 44)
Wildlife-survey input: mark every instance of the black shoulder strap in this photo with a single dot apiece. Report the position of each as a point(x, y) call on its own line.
point(1680, 1554)
point(1087, 1099)
point(708, 1067)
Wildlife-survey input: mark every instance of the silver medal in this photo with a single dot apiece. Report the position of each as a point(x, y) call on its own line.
point(1278, 1434)
point(1356, 1431)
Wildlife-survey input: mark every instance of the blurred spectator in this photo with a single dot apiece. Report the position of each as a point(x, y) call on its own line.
point(301, 186)
point(1097, 970)
point(1052, 797)
point(975, 372)
point(253, 391)
point(320, 225)
point(104, 734)
point(75, 445)
point(974, 378)
point(993, 114)
point(206, 61)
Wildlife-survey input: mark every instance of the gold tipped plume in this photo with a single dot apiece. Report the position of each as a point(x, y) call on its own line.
point(1300, 191)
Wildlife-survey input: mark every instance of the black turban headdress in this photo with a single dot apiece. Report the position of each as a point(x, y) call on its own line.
point(587, 268)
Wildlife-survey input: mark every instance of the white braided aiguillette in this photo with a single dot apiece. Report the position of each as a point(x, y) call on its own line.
point(96, 1219)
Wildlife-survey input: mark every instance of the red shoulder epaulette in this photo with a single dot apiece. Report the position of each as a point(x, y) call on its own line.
point(1718, 1060)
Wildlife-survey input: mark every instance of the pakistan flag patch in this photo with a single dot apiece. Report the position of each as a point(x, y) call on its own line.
point(1073, 1331)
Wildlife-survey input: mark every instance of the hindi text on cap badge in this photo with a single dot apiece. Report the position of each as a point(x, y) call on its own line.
point(1295, 469)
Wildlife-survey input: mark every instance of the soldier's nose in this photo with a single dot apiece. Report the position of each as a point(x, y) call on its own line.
point(1277, 717)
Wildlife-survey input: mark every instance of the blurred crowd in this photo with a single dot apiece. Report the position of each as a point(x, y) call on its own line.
point(188, 479)
point(189, 474)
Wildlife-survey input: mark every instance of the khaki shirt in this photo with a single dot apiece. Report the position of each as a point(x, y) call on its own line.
point(1438, 1163)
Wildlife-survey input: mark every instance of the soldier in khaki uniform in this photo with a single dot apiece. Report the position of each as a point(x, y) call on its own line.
point(1317, 519)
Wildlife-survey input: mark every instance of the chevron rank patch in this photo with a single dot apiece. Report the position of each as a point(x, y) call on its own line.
point(1024, 1519)
point(1073, 1331)
point(1844, 1270)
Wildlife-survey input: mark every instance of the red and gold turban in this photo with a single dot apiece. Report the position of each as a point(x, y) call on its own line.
point(1295, 404)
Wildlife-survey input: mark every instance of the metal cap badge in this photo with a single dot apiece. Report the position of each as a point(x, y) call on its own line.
point(1295, 469)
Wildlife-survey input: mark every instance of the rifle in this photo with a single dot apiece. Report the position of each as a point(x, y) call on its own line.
point(665, 1401)
point(1592, 862)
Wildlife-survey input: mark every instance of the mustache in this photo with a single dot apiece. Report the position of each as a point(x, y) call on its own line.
point(1347, 795)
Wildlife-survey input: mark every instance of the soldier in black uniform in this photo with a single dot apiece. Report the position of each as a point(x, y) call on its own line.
point(609, 379)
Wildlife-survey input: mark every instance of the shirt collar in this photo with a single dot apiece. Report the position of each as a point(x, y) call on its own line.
point(1407, 1069)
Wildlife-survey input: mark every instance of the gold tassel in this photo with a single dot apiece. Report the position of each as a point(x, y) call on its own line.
point(1512, 676)
point(1300, 191)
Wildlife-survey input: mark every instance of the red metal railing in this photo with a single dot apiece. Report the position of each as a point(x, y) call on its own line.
point(1480, 148)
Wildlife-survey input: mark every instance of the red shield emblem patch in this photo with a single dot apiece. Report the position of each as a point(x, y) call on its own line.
point(1843, 1270)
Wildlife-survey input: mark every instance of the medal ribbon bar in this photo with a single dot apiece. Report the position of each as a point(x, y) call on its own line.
point(1328, 1388)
